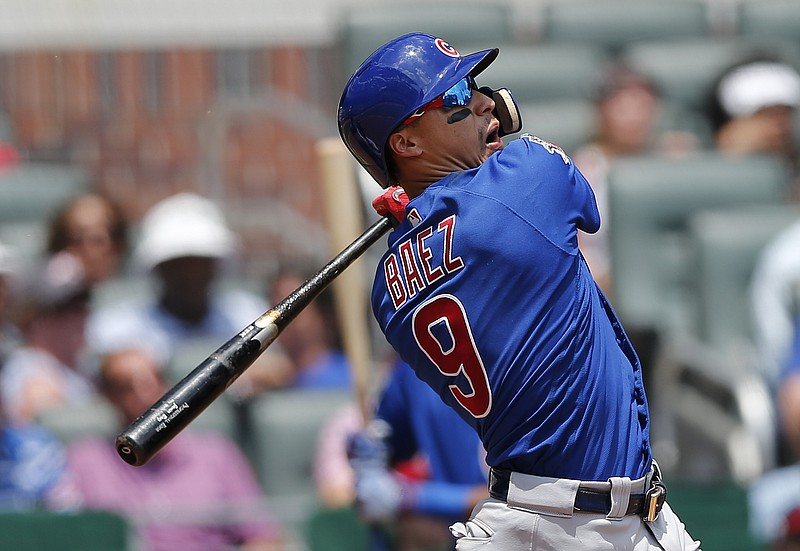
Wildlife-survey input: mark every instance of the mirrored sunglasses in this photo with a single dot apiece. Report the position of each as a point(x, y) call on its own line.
point(458, 95)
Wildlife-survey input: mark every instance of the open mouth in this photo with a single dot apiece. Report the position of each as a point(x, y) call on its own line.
point(493, 141)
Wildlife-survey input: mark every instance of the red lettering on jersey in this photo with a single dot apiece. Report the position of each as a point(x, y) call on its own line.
point(391, 271)
point(448, 226)
point(431, 273)
point(411, 271)
point(455, 355)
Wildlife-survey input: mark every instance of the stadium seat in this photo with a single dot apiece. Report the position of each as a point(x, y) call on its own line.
point(651, 200)
point(6, 129)
point(685, 71)
point(70, 423)
point(713, 415)
point(768, 19)
point(73, 531)
point(715, 512)
point(34, 190)
point(336, 530)
point(285, 427)
point(470, 27)
point(566, 123)
point(725, 246)
point(545, 72)
point(613, 24)
point(29, 194)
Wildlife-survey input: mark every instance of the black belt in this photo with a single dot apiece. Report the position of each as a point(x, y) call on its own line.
point(588, 500)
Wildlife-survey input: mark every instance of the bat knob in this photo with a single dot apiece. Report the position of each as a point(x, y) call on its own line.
point(127, 450)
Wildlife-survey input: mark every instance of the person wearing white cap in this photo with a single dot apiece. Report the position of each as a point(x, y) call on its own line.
point(753, 106)
point(755, 111)
point(183, 243)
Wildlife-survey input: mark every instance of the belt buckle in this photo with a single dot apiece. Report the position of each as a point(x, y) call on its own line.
point(654, 501)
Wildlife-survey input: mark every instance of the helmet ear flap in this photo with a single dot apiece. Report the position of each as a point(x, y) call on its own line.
point(505, 110)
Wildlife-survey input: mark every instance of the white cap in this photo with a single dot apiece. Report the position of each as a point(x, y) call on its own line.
point(183, 225)
point(758, 85)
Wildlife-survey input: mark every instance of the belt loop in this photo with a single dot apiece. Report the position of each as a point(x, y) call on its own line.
point(620, 496)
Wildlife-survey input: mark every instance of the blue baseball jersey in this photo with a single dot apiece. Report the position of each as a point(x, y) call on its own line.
point(483, 291)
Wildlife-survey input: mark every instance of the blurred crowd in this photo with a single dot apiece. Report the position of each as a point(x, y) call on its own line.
point(108, 306)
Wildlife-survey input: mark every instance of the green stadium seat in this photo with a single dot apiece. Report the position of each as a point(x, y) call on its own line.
point(685, 71)
point(614, 24)
point(336, 530)
point(768, 19)
point(714, 512)
point(285, 427)
point(651, 200)
point(470, 27)
point(6, 129)
point(70, 423)
point(725, 247)
point(73, 531)
point(566, 123)
point(545, 72)
point(32, 191)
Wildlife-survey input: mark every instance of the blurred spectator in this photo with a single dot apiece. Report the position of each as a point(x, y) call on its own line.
point(789, 396)
point(10, 334)
point(184, 245)
point(776, 494)
point(198, 493)
point(789, 538)
point(425, 471)
point(752, 109)
point(32, 464)
point(86, 245)
point(9, 156)
point(629, 110)
point(773, 505)
point(311, 341)
point(774, 300)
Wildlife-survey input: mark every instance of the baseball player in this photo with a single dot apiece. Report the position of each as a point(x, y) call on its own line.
point(483, 291)
point(441, 472)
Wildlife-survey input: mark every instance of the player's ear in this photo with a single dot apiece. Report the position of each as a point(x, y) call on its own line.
point(404, 144)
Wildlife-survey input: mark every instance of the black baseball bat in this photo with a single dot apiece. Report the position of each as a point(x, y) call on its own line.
point(194, 393)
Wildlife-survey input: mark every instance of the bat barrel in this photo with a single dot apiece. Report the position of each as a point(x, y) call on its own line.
point(191, 396)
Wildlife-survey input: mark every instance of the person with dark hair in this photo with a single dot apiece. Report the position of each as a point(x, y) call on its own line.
point(312, 341)
point(199, 493)
point(86, 246)
point(629, 108)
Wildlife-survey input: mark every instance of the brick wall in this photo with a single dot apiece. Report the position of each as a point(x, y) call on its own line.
point(237, 124)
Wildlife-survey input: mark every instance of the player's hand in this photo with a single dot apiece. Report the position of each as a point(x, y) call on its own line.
point(378, 494)
point(392, 201)
point(369, 447)
point(378, 491)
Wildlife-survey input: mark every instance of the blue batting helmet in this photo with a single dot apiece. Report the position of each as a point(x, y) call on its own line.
point(395, 80)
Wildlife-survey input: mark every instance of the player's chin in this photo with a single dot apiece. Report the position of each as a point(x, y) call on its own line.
point(491, 149)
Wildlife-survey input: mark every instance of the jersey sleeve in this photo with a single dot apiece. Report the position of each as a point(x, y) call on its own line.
point(541, 184)
point(393, 408)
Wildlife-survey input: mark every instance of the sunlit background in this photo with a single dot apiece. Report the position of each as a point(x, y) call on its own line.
point(142, 99)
